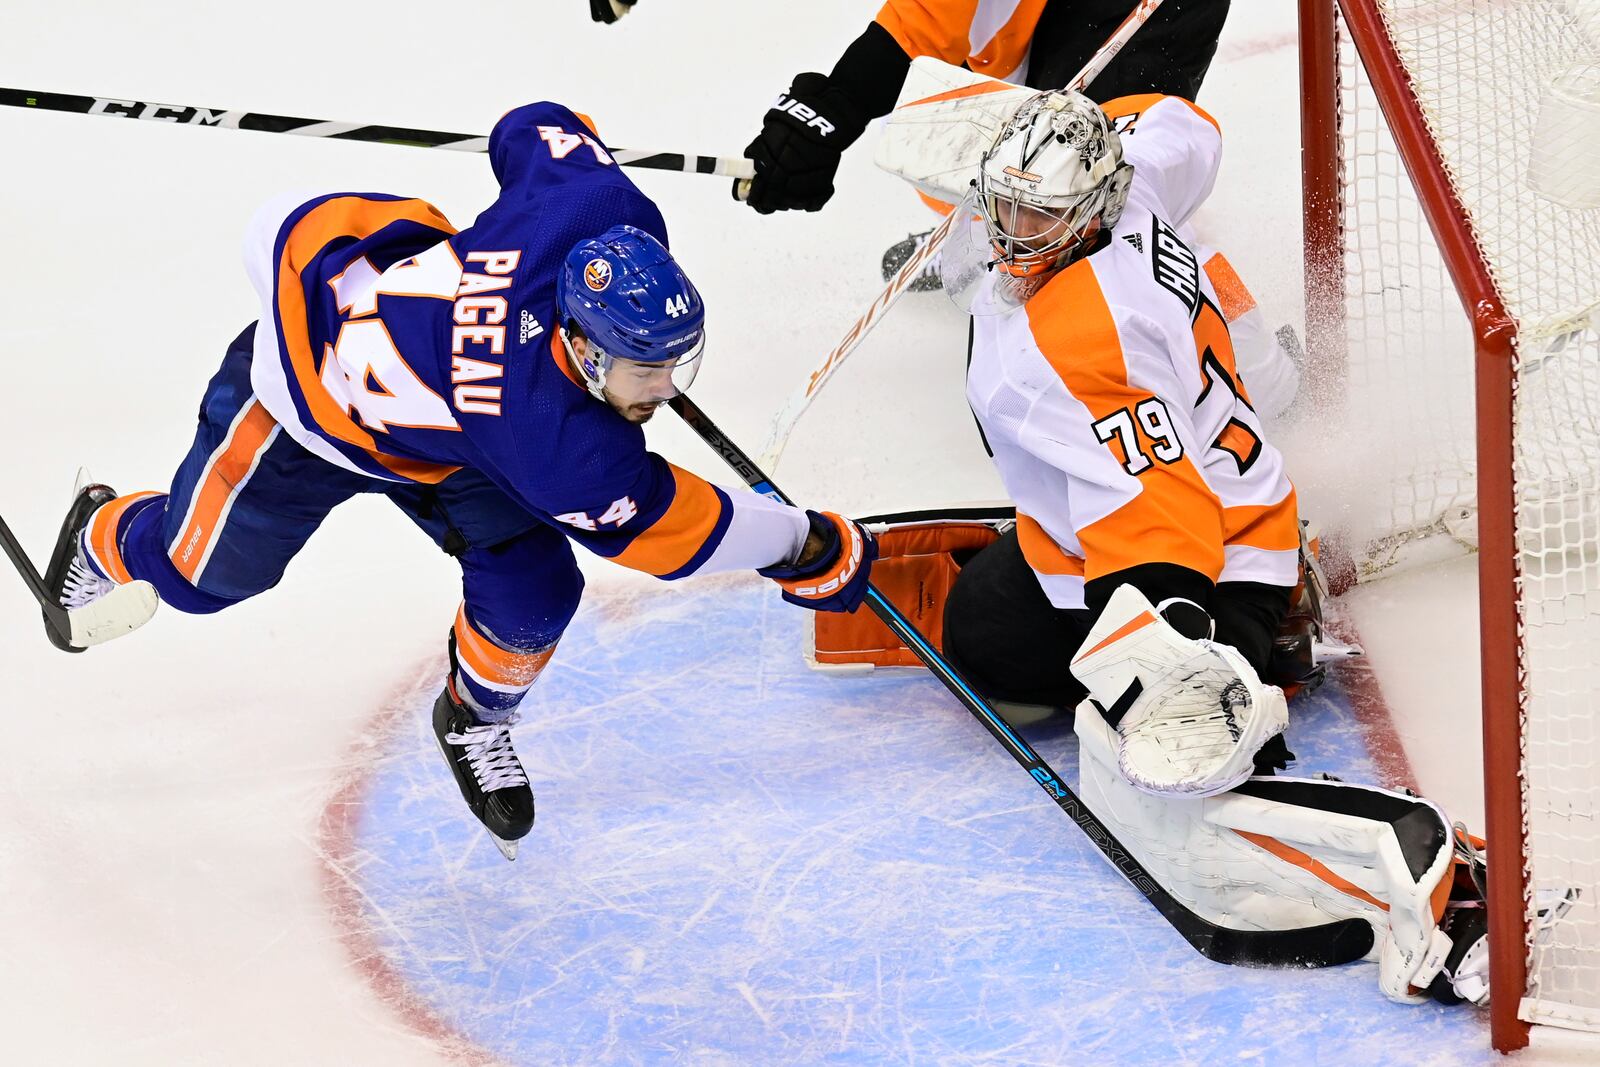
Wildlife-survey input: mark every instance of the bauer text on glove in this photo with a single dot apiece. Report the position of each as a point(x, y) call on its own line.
point(834, 574)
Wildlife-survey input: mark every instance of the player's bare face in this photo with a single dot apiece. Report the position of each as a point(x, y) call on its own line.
point(636, 389)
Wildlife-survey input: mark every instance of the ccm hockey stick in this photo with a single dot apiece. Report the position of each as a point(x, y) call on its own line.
point(733, 167)
point(1316, 946)
point(783, 424)
point(125, 608)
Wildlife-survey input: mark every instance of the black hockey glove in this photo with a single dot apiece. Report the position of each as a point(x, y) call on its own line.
point(609, 11)
point(802, 138)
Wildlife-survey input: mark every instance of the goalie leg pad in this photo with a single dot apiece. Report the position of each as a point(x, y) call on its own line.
point(1287, 854)
point(917, 565)
point(1190, 715)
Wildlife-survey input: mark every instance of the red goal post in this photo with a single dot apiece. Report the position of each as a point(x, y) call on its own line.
point(1410, 58)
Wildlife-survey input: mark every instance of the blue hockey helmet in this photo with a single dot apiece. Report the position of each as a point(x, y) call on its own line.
point(629, 298)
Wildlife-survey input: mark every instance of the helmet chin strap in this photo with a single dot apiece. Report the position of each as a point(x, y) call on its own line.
point(595, 380)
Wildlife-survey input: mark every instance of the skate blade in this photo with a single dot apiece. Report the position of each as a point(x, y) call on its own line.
point(508, 849)
point(121, 611)
point(1331, 651)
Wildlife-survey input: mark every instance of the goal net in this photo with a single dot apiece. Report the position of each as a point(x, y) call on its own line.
point(1452, 184)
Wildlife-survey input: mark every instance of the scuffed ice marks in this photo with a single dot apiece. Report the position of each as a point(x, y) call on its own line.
point(738, 860)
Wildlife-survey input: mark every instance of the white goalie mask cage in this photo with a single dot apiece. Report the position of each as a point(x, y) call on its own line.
point(1053, 171)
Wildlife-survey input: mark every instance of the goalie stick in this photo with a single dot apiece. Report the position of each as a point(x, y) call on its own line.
point(1316, 946)
point(125, 608)
point(726, 166)
point(783, 424)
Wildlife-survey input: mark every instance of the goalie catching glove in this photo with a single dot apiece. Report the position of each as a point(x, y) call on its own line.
point(1189, 714)
point(835, 563)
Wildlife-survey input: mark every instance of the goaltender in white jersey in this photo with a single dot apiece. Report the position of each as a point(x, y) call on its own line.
point(1155, 572)
point(1111, 398)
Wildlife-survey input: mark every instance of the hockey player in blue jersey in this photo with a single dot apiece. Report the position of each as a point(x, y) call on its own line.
point(492, 383)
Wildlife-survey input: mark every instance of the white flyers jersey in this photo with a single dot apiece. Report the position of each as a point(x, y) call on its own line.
point(1112, 401)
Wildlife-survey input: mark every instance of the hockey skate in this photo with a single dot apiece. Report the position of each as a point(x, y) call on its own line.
point(96, 608)
point(927, 279)
point(1465, 974)
point(491, 780)
point(1302, 648)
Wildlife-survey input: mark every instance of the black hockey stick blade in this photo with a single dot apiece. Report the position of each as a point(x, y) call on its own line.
point(1333, 943)
point(55, 616)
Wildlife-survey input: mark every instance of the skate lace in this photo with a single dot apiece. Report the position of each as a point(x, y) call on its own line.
point(490, 755)
point(83, 585)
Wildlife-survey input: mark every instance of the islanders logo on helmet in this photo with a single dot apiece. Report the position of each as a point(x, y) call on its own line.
point(597, 275)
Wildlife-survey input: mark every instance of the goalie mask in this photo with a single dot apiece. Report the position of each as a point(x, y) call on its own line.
point(1050, 182)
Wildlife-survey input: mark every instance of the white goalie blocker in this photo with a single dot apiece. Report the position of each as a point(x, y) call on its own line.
point(944, 121)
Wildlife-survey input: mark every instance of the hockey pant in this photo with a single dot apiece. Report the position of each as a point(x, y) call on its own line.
point(1290, 853)
point(246, 498)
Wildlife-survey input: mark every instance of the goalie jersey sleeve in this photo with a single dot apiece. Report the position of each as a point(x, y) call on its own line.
point(1118, 419)
point(404, 350)
point(1175, 148)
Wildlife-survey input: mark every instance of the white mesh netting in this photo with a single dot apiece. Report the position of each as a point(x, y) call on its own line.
point(1510, 90)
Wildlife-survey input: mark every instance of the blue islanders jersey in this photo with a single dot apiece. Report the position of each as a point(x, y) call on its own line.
point(403, 349)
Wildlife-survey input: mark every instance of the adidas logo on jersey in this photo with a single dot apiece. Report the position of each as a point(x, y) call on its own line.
point(1135, 240)
point(530, 328)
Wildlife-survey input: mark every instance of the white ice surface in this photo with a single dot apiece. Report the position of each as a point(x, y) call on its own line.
point(164, 879)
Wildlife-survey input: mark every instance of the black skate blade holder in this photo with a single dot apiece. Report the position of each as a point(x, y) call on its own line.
point(122, 610)
point(55, 615)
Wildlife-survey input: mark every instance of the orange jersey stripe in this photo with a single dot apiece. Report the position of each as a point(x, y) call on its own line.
point(672, 540)
point(1235, 299)
point(1274, 527)
point(1123, 106)
point(1005, 51)
point(943, 28)
point(344, 216)
point(216, 486)
point(102, 537)
point(1041, 550)
point(1175, 517)
point(491, 663)
point(1305, 862)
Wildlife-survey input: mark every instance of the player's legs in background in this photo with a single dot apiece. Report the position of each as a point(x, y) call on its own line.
point(243, 502)
point(521, 587)
point(1170, 53)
